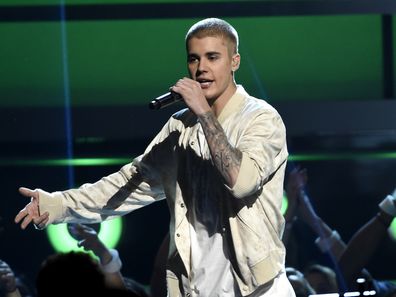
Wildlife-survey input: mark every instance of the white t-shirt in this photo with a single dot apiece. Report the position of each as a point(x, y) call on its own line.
point(211, 274)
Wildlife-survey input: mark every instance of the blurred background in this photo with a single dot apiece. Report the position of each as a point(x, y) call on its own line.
point(76, 78)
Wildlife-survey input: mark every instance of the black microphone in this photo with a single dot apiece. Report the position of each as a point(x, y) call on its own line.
point(165, 100)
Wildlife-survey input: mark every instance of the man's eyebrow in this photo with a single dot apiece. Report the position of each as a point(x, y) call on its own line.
point(206, 54)
point(212, 53)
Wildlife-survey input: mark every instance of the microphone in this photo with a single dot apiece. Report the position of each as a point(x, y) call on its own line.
point(165, 100)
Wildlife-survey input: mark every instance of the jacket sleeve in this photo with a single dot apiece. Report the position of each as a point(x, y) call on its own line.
point(264, 150)
point(135, 185)
point(111, 196)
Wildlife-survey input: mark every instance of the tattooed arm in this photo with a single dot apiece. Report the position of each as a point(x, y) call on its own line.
point(227, 158)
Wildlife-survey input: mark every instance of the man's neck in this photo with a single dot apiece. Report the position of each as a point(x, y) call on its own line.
point(222, 101)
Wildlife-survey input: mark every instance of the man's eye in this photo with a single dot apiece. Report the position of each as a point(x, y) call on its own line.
point(192, 59)
point(214, 57)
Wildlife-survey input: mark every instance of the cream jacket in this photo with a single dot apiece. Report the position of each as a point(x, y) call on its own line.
point(177, 166)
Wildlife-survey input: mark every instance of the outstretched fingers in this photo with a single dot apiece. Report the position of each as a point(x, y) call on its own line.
point(23, 213)
point(31, 211)
point(41, 221)
point(27, 219)
point(28, 192)
point(24, 217)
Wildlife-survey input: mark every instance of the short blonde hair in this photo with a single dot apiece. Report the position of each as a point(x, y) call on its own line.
point(214, 27)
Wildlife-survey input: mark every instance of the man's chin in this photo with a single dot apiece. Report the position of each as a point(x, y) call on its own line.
point(209, 95)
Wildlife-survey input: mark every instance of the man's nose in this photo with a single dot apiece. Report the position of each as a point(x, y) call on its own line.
point(202, 66)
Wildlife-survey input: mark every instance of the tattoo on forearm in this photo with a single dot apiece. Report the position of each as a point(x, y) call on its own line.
point(227, 159)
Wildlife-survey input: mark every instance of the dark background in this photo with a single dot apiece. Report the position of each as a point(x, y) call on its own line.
point(76, 78)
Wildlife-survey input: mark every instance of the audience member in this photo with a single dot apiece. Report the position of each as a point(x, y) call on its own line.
point(349, 259)
point(12, 285)
point(109, 259)
point(323, 279)
point(70, 274)
point(301, 286)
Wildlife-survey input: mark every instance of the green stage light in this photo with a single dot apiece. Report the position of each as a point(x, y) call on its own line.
point(285, 204)
point(62, 242)
point(110, 232)
point(343, 156)
point(81, 162)
point(392, 230)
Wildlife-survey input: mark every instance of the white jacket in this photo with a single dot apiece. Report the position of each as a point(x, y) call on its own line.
point(177, 166)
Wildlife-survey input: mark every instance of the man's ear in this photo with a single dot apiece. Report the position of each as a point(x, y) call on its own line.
point(236, 60)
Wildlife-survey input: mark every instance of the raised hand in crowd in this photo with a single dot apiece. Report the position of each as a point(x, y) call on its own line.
point(349, 259)
point(110, 262)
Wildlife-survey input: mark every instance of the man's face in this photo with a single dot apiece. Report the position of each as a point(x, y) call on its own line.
point(211, 64)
